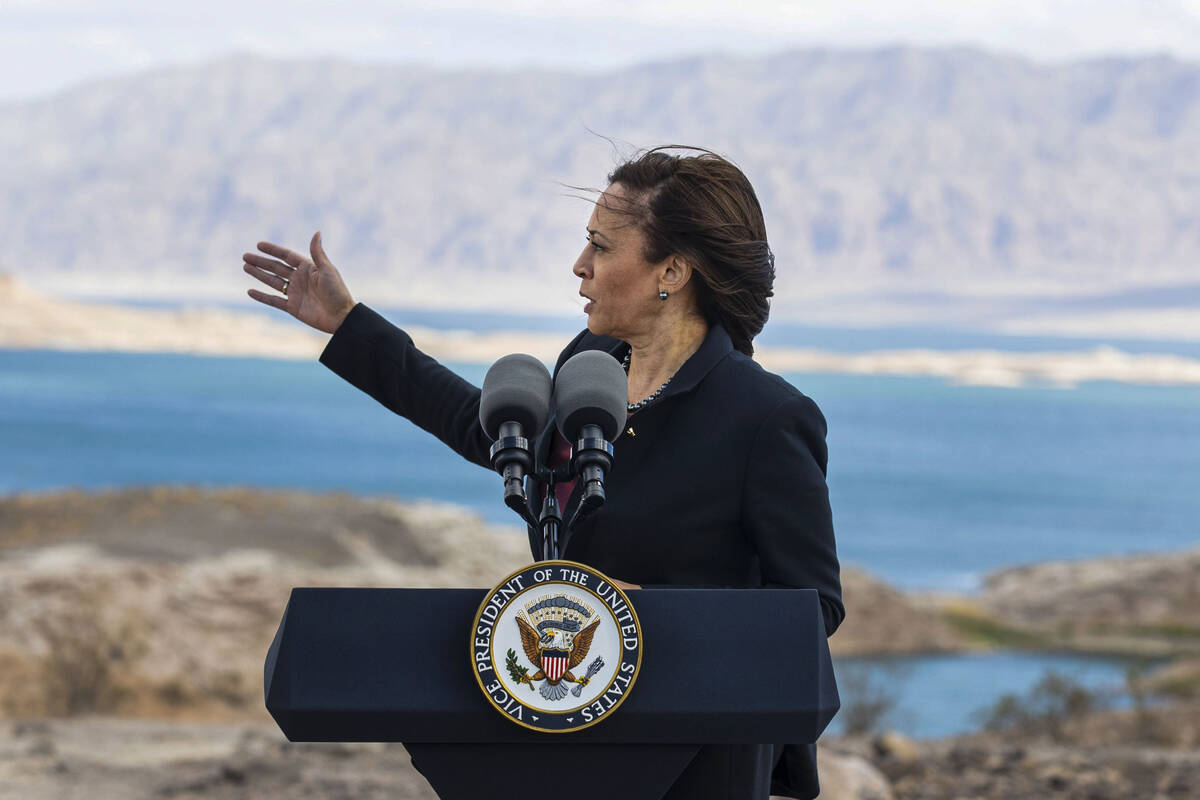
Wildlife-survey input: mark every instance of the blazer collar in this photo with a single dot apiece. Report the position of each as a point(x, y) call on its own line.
point(716, 346)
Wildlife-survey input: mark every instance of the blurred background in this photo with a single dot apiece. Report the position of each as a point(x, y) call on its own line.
point(986, 220)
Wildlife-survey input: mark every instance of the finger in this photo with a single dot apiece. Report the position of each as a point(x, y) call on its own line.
point(269, 264)
point(290, 256)
point(269, 299)
point(269, 278)
point(318, 251)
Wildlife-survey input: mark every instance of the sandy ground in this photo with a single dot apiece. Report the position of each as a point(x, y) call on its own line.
point(1107, 756)
point(133, 625)
point(121, 759)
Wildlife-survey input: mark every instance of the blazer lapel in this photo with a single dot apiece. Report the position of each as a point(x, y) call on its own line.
point(545, 442)
point(716, 346)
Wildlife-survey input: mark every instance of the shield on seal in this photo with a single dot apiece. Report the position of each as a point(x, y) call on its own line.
point(554, 663)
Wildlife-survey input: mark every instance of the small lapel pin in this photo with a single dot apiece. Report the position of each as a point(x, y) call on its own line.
point(629, 431)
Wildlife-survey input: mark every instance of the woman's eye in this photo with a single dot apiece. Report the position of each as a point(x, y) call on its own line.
point(595, 246)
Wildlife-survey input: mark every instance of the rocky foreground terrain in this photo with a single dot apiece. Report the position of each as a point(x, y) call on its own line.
point(133, 625)
point(1113, 756)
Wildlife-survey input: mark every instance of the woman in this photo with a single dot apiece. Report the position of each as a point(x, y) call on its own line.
point(719, 477)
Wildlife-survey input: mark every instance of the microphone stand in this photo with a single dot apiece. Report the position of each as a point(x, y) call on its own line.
point(591, 459)
point(550, 520)
point(513, 451)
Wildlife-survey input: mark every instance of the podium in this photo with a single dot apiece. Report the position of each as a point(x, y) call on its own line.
point(720, 666)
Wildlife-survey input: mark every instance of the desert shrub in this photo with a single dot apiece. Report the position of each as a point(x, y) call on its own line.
point(20, 688)
point(1055, 700)
point(85, 663)
point(869, 694)
point(175, 693)
point(1135, 684)
point(231, 688)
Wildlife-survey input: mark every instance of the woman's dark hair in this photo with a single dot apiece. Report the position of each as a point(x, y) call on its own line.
point(702, 207)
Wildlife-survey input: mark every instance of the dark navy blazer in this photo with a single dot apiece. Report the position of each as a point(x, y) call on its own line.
point(719, 482)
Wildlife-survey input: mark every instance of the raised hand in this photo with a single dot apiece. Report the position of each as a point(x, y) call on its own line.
point(312, 288)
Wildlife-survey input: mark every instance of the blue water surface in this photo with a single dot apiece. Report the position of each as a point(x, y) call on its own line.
point(932, 485)
point(947, 695)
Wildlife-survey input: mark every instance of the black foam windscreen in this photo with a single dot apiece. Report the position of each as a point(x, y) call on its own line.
point(591, 389)
point(515, 389)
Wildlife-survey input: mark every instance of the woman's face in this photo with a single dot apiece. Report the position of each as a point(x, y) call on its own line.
point(621, 286)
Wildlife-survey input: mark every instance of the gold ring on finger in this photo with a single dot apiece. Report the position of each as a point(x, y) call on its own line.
point(284, 288)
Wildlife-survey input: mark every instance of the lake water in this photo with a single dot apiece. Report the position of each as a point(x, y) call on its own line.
point(945, 695)
point(932, 485)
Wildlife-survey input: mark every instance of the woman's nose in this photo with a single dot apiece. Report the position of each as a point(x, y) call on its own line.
point(583, 264)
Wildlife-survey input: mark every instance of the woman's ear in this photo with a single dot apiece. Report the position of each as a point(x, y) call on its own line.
point(674, 274)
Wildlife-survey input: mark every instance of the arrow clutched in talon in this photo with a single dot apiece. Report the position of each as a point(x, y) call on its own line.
point(596, 665)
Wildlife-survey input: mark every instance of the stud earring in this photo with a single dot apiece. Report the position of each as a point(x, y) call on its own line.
point(662, 295)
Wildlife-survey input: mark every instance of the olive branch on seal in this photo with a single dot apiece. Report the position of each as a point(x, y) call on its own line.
point(519, 673)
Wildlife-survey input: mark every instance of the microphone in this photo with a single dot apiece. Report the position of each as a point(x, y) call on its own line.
point(590, 403)
point(515, 403)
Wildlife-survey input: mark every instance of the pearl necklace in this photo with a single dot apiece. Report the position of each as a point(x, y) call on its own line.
point(632, 407)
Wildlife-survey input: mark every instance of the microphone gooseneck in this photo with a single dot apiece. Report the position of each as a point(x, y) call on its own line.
point(511, 457)
point(592, 461)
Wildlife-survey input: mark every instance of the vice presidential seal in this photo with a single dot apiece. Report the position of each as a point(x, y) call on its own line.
point(556, 646)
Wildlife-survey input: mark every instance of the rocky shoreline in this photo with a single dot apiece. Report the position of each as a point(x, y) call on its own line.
point(247, 547)
point(144, 613)
point(31, 320)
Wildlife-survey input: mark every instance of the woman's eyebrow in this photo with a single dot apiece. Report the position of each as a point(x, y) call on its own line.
point(594, 232)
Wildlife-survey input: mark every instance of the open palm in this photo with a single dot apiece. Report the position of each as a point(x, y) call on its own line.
point(312, 288)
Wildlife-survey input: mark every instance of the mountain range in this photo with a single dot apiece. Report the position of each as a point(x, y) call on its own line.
point(898, 183)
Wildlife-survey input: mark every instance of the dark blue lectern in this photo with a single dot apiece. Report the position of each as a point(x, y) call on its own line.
point(721, 666)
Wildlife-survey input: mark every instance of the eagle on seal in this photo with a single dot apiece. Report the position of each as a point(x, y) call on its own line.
point(555, 653)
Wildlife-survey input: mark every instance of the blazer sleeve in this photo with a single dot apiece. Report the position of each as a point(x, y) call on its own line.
point(786, 509)
point(381, 360)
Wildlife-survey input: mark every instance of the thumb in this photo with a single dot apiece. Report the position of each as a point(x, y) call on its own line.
point(318, 251)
